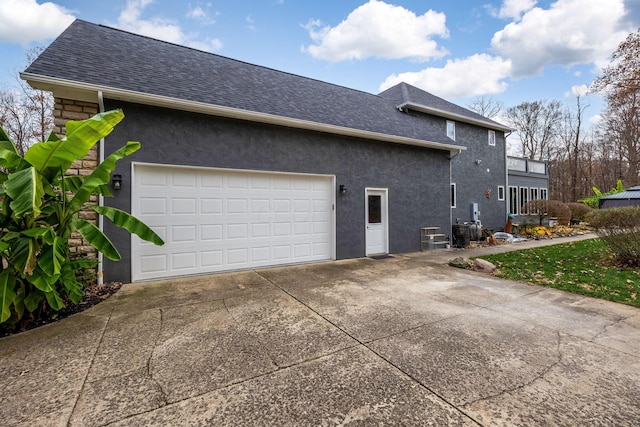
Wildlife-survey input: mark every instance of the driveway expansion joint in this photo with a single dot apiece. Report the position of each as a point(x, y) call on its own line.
point(86, 375)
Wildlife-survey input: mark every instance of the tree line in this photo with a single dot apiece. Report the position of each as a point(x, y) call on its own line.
point(581, 157)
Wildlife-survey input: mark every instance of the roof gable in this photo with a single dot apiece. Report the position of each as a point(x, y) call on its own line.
point(408, 96)
point(115, 61)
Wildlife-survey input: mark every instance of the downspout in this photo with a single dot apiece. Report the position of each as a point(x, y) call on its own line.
point(452, 155)
point(100, 197)
point(507, 191)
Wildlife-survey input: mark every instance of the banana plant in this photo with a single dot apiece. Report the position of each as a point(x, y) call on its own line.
point(39, 212)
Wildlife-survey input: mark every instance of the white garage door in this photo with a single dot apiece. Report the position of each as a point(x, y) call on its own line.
point(215, 220)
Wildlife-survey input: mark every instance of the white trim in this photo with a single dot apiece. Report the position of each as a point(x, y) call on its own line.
point(453, 187)
point(491, 141)
point(252, 171)
point(455, 116)
point(85, 91)
point(501, 187)
point(385, 217)
point(516, 208)
point(453, 129)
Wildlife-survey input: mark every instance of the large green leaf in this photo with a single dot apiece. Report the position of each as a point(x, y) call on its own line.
point(130, 223)
point(24, 252)
point(9, 157)
point(43, 281)
point(102, 174)
point(7, 294)
point(96, 238)
point(33, 300)
point(53, 256)
point(54, 156)
point(54, 300)
point(71, 284)
point(26, 191)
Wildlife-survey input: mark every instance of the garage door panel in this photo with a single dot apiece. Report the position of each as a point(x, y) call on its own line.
point(216, 220)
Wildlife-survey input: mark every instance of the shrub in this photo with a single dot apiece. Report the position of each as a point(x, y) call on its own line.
point(579, 210)
point(560, 210)
point(549, 208)
point(39, 212)
point(619, 228)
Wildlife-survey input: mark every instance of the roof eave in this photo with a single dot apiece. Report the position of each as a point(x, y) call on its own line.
point(449, 115)
point(88, 92)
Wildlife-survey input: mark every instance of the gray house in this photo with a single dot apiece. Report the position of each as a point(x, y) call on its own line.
point(528, 180)
point(243, 166)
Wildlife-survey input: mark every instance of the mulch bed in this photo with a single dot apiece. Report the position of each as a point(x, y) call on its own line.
point(93, 294)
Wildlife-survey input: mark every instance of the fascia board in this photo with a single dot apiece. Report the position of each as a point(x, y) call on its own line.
point(449, 115)
point(85, 91)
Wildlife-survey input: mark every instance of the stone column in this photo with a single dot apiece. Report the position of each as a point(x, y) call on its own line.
point(64, 110)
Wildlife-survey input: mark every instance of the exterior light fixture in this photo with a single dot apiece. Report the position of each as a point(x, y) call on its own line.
point(478, 161)
point(116, 181)
point(343, 189)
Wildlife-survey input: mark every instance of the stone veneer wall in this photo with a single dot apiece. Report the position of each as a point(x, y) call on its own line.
point(64, 110)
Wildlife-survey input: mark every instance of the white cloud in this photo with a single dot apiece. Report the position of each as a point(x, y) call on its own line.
point(378, 29)
point(202, 15)
point(25, 21)
point(479, 74)
point(513, 9)
point(569, 32)
point(595, 120)
point(251, 24)
point(130, 19)
point(196, 13)
point(580, 90)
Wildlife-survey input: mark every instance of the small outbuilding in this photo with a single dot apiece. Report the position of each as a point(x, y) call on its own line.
point(630, 197)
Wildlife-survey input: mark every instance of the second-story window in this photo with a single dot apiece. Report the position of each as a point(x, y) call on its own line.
point(492, 137)
point(451, 129)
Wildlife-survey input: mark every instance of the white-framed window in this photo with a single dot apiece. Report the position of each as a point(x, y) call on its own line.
point(513, 200)
point(544, 194)
point(533, 193)
point(492, 137)
point(524, 199)
point(500, 192)
point(454, 195)
point(451, 129)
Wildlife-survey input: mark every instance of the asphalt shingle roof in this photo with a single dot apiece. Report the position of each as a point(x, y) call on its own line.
point(106, 57)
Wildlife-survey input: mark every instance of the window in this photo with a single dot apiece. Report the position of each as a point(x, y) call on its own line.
point(513, 200)
point(524, 198)
point(375, 209)
point(534, 193)
point(453, 195)
point(544, 194)
point(492, 137)
point(451, 129)
point(500, 192)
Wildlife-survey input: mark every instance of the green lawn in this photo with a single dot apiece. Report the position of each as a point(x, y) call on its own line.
point(583, 267)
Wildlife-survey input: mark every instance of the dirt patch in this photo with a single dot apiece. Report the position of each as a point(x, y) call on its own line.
point(93, 294)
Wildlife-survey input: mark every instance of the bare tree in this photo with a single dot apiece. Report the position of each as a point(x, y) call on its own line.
point(620, 83)
point(486, 106)
point(26, 114)
point(536, 124)
point(570, 142)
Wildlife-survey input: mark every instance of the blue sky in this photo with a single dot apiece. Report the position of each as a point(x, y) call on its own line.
point(511, 50)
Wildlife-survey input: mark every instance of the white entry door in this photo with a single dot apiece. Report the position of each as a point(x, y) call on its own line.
point(219, 220)
point(377, 232)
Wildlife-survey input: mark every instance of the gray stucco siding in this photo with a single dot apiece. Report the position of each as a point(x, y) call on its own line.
point(417, 178)
point(473, 180)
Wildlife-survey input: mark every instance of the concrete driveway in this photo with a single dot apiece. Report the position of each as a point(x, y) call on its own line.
point(405, 340)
